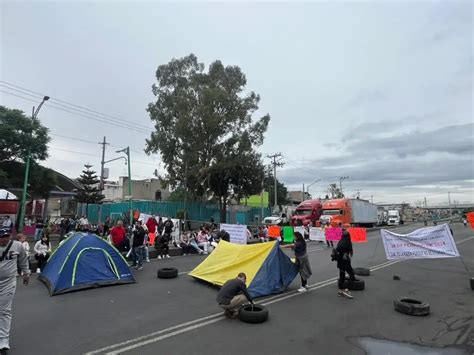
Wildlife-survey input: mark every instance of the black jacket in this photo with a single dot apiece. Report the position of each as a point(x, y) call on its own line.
point(139, 236)
point(231, 289)
point(345, 251)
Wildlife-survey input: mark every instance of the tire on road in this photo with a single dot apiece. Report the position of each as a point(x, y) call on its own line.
point(361, 271)
point(167, 273)
point(472, 283)
point(356, 285)
point(411, 306)
point(253, 313)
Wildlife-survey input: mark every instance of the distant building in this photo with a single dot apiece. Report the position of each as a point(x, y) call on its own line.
point(146, 189)
point(296, 197)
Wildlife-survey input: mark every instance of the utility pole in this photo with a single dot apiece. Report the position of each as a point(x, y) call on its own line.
point(102, 163)
point(275, 164)
point(449, 201)
point(101, 186)
point(303, 194)
point(426, 205)
point(371, 198)
point(358, 193)
point(341, 179)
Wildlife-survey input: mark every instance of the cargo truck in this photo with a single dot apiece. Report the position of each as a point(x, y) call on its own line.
point(307, 213)
point(394, 218)
point(349, 212)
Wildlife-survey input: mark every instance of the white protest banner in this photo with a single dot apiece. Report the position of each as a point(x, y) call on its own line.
point(144, 217)
point(317, 234)
point(299, 229)
point(237, 232)
point(176, 225)
point(431, 242)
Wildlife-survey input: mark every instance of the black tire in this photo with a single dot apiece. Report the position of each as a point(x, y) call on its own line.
point(361, 271)
point(472, 283)
point(356, 285)
point(167, 273)
point(253, 313)
point(411, 306)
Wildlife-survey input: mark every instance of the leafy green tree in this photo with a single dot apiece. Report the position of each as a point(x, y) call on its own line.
point(90, 192)
point(19, 133)
point(282, 191)
point(204, 129)
point(334, 191)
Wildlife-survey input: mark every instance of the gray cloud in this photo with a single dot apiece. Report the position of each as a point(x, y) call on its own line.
point(367, 96)
point(457, 139)
point(440, 157)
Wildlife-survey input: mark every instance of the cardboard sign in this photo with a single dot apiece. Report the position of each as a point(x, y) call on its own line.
point(333, 234)
point(274, 231)
point(288, 234)
point(423, 243)
point(317, 234)
point(237, 232)
point(358, 235)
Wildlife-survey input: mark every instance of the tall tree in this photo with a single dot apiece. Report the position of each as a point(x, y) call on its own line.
point(204, 129)
point(282, 191)
point(90, 192)
point(334, 191)
point(19, 133)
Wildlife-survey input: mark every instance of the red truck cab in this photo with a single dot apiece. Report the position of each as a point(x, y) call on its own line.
point(335, 212)
point(307, 213)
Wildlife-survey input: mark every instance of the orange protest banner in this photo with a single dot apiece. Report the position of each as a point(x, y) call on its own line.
point(358, 235)
point(274, 231)
point(470, 219)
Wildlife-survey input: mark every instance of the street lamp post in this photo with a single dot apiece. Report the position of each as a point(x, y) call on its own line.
point(34, 114)
point(127, 151)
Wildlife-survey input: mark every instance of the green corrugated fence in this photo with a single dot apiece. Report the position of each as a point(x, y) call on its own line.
point(195, 211)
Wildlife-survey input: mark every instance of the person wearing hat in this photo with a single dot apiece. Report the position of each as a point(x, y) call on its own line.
point(12, 258)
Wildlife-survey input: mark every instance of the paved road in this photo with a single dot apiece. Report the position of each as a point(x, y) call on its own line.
point(180, 316)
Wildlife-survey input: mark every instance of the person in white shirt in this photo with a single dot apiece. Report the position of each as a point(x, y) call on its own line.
point(24, 243)
point(42, 251)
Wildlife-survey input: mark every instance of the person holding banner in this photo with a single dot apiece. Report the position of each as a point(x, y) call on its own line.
point(302, 260)
point(343, 254)
point(329, 243)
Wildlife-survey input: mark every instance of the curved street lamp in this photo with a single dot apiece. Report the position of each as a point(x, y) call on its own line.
point(27, 169)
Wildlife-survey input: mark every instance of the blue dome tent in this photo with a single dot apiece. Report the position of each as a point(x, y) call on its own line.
point(84, 261)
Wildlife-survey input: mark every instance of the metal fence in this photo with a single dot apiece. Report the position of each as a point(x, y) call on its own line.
point(195, 211)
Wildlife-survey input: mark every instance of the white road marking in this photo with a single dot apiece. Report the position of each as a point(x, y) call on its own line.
point(216, 317)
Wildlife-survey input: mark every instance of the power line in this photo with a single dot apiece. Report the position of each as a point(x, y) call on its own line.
point(93, 142)
point(127, 126)
point(95, 155)
point(75, 106)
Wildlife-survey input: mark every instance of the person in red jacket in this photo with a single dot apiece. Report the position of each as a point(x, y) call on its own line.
point(118, 234)
point(151, 224)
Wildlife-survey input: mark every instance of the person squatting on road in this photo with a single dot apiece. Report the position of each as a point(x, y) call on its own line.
point(162, 245)
point(302, 260)
point(12, 258)
point(342, 254)
point(233, 294)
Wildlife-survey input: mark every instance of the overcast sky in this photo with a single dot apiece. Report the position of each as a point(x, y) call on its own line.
point(377, 91)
